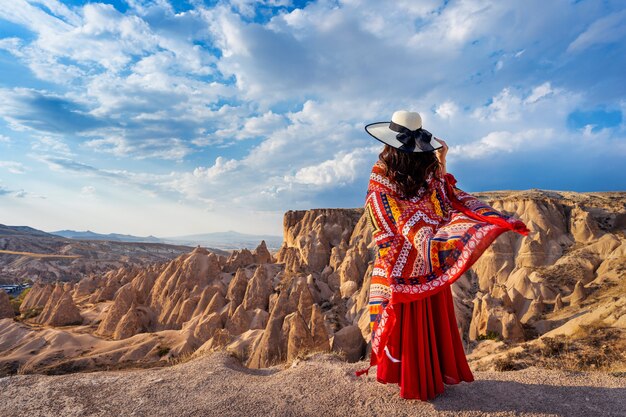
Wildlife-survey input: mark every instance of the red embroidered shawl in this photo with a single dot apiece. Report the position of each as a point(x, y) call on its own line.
point(424, 243)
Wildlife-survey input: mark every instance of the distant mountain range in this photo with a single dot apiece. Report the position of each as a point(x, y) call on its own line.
point(222, 240)
point(89, 235)
point(30, 254)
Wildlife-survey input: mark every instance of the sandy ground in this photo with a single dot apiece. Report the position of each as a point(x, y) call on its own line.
point(217, 384)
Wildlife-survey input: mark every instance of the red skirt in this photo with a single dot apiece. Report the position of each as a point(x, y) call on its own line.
point(424, 350)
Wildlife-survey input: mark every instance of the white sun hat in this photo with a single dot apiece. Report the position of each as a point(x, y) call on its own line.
point(404, 132)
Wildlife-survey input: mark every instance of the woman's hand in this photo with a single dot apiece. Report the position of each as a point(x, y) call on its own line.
point(441, 155)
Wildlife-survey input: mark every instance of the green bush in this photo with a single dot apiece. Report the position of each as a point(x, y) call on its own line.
point(31, 312)
point(162, 350)
point(491, 335)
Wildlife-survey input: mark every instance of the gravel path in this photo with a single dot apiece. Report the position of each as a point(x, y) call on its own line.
point(217, 384)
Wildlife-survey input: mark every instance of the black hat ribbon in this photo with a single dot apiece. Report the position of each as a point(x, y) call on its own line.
point(411, 138)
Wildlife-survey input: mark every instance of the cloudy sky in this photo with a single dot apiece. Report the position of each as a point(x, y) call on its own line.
point(177, 117)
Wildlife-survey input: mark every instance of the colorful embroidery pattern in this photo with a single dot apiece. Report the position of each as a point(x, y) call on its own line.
point(424, 242)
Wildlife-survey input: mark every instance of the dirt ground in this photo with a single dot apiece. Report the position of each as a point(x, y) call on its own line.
point(217, 384)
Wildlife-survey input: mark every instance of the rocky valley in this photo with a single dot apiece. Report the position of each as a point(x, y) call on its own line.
point(28, 254)
point(553, 299)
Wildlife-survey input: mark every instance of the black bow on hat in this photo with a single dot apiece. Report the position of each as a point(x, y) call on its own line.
point(411, 139)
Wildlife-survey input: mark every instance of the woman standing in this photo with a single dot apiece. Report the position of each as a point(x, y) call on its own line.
point(428, 233)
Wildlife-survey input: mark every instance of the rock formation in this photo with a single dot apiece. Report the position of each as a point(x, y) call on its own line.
point(494, 317)
point(349, 343)
point(239, 259)
point(262, 255)
point(119, 314)
point(258, 290)
point(60, 309)
point(37, 297)
point(6, 309)
point(578, 295)
point(313, 294)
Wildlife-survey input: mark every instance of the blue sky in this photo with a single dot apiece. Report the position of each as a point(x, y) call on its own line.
point(172, 118)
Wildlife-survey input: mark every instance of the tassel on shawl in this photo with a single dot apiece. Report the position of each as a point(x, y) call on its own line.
point(363, 371)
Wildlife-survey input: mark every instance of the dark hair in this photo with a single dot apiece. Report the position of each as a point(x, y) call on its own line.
point(409, 170)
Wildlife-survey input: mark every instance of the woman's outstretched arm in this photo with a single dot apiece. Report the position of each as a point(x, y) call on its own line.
point(472, 206)
point(478, 209)
point(441, 155)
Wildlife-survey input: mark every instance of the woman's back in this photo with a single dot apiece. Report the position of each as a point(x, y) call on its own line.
point(427, 233)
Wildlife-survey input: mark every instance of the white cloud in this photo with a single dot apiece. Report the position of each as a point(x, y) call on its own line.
point(342, 169)
point(163, 148)
point(503, 107)
point(220, 167)
point(50, 144)
point(447, 109)
point(611, 28)
point(88, 190)
point(284, 101)
point(539, 92)
point(21, 193)
point(259, 126)
point(503, 142)
point(13, 167)
point(509, 105)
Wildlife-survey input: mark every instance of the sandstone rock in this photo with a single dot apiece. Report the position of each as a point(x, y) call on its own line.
point(334, 282)
point(216, 304)
point(337, 255)
point(258, 319)
point(583, 226)
point(221, 338)
point(50, 305)
point(239, 322)
point(237, 287)
point(496, 263)
point(239, 259)
point(578, 295)
point(535, 310)
point(318, 330)
point(309, 236)
point(290, 257)
point(241, 347)
point(207, 326)
point(63, 312)
point(325, 292)
point(305, 302)
point(262, 255)
point(349, 343)
point(298, 284)
point(205, 298)
point(352, 267)
point(6, 309)
point(558, 302)
point(258, 290)
point(490, 316)
point(272, 348)
point(520, 280)
point(37, 297)
point(175, 285)
point(348, 288)
point(298, 336)
point(124, 299)
point(87, 286)
point(130, 324)
point(519, 303)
